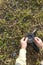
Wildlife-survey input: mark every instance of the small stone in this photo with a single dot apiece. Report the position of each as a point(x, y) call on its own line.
point(14, 54)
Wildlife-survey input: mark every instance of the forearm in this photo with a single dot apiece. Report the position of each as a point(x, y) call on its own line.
point(21, 60)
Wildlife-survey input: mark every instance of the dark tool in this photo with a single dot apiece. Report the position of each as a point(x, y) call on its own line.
point(31, 36)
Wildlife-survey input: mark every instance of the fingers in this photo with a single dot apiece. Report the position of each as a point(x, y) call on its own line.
point(36, 39)
point(26, 39)
point(38, 42)
point(23, 38)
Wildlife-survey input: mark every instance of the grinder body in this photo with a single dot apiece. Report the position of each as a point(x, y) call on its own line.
point(30, 41)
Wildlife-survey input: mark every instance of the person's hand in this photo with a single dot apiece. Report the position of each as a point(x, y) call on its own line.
point(38, 42)
point(23, 42)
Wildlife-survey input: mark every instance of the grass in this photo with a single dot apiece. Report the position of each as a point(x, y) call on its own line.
point(17, 18)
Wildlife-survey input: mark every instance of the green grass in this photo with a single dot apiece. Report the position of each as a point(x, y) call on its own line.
point(18, 17)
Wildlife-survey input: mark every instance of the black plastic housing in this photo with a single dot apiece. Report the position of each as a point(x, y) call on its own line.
point(31, 36)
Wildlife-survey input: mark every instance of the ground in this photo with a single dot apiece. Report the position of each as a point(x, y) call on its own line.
point(17, 18)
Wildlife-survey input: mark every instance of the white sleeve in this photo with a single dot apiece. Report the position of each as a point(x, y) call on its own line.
point(21, 60)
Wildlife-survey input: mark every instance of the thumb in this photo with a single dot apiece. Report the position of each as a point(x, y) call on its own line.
point(26, 39)
point(36, 39)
